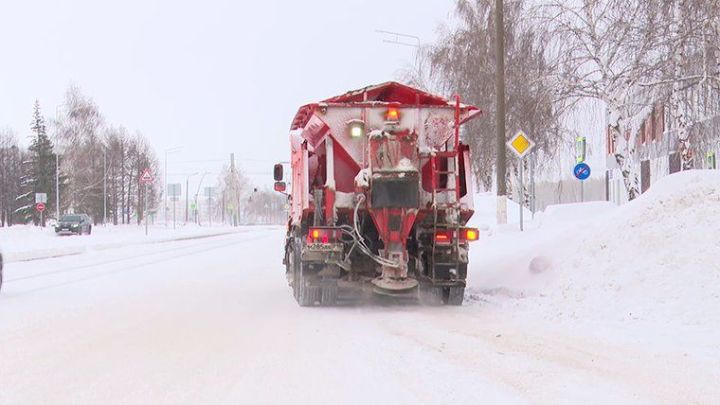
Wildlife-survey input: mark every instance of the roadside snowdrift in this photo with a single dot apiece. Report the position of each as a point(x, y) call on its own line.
point(655, 259)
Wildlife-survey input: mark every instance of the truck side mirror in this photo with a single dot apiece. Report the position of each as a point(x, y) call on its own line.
point(278, 172)
point(280, 186)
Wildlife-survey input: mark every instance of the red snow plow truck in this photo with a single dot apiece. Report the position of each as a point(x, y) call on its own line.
point(380, 192)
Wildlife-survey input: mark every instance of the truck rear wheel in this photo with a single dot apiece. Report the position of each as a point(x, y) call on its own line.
point(329, 294)
point(307, 295)
point(455, 295)
point(306, 290)
point(433, 295)
point(298, 280)
point(309, 292)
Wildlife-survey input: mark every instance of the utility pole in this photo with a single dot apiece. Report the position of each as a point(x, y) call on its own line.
point(57, 187)
point(165, 194)
point(105, 186)
point(500, 93)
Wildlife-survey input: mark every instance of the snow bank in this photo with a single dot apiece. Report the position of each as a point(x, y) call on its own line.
point(562, 214)
point(656, 259)
point(485, 216)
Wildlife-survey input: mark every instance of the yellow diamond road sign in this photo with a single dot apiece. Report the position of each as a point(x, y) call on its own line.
point(521, 144)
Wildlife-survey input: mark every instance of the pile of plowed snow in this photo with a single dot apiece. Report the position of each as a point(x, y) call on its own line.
point(655, 259)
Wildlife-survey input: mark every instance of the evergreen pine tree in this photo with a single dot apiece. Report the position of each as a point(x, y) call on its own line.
point(41, 176)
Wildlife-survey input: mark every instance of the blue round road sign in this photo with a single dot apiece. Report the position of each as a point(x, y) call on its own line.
point(582, 171)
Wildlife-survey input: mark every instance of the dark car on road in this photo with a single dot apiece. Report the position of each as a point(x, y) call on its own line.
point(74, 224)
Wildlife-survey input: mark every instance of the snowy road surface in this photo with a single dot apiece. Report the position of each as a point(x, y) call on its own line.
point(213, 321)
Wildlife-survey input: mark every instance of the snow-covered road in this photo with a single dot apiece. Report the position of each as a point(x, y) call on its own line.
point(213, 321)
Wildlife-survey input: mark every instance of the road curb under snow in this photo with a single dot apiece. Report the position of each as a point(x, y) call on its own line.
point(42, 254)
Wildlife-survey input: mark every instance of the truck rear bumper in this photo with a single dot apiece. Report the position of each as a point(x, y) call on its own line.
point(322, 253)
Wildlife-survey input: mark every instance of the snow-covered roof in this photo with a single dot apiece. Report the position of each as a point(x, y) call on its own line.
point(388, 92)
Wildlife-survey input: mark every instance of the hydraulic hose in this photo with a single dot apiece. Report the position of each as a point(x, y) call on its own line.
point(359, 241)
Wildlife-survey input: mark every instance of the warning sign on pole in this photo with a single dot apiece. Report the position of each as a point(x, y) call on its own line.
point(146, 177)
point(521, 145)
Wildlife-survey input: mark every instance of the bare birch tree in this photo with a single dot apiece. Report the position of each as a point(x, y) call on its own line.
point(634, 54)
point(233, 187)
point(692, 78)
point(79, 134)
point(463, 61)
point(98, 157)
point(605, 50)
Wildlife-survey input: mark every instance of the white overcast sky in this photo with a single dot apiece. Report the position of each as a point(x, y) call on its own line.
point(213, 77)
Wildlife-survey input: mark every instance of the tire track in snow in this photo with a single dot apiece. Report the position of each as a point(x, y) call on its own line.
point(100, 263)
point(542, 365)
point(213, 246)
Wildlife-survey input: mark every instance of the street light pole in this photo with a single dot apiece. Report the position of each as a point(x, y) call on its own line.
point(104, 187)
point(187, 196)
point(398, 41)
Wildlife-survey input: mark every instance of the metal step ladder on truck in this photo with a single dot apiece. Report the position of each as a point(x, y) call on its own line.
point(380, 192)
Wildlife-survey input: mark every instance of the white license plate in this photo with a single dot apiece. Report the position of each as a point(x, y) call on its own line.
point(323, 246)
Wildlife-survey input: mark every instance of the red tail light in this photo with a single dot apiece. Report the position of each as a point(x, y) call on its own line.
point(324, 235)
point(443, 237)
